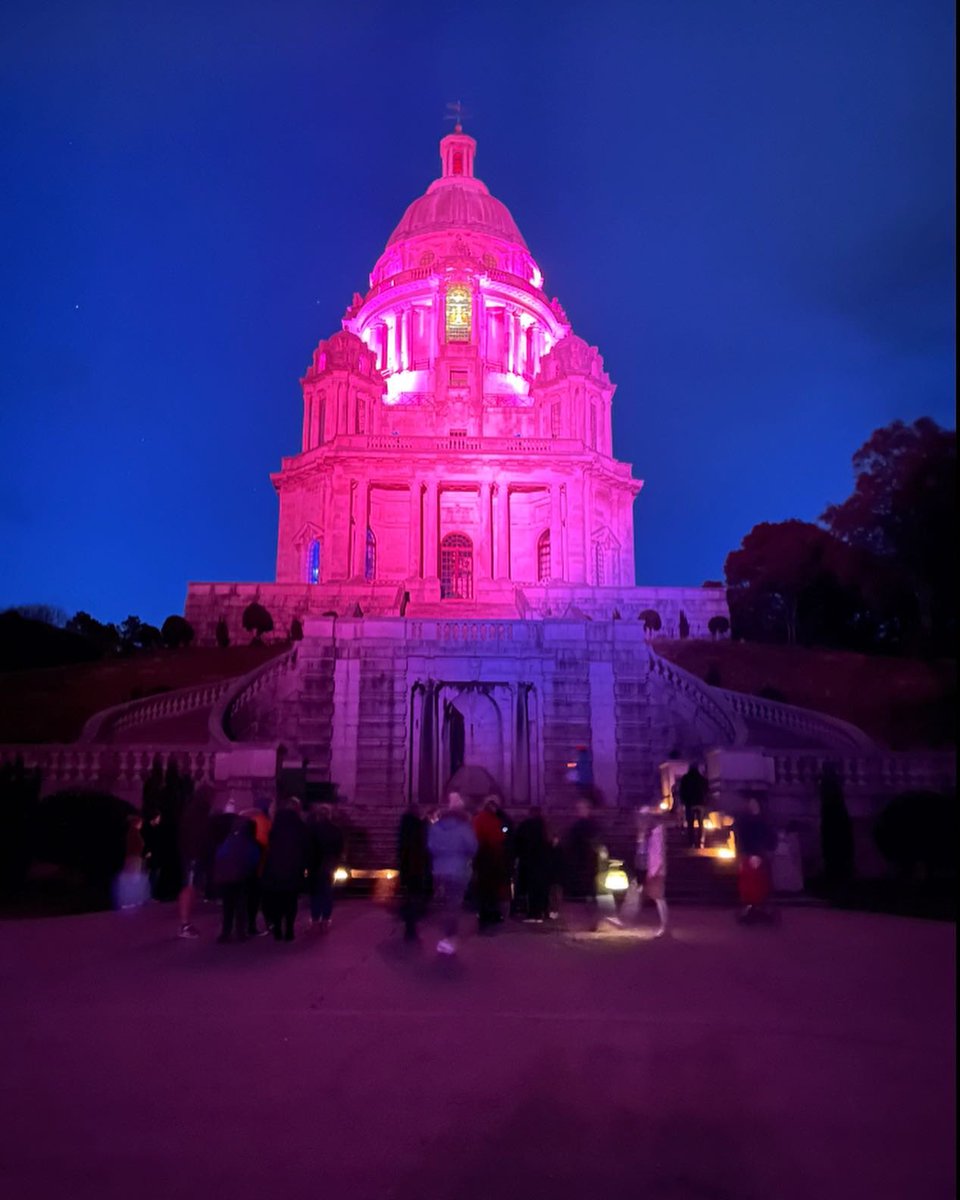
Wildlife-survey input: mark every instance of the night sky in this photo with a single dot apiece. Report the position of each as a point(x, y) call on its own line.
point(747, 206)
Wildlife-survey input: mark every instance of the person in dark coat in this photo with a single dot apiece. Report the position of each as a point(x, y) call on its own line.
point(326, 854)
point(534, 851)
point(756, 841)
point(194, 834)
point(233, 868)
point(582, 861)
point(284, 869)
point(490, 865)
point(413, 868)
point(694, 790)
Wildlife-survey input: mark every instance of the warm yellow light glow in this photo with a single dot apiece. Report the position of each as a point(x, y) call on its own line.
point(708, 824)
point(341, 875)
point(458, 313)
point(726, 852)
point(664, 804)
point(616, 879)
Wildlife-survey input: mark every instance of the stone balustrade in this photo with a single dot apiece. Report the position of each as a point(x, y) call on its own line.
point(229, 720)
point(880, 774)
point(105, 725)
point(798, 721)
point(120, 770)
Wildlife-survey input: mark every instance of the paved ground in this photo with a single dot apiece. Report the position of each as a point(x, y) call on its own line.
point(816, 1060)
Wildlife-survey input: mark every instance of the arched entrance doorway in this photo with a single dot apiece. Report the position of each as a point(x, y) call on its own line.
point(456, 567)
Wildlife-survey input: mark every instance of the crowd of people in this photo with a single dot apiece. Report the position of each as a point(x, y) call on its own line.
point(259, 862)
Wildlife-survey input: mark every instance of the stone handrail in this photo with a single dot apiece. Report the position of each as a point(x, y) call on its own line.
point(118, 768)
point(882, 773)
point(241, 692)
point(132, 713)
point(700, 692)
point(797, 720)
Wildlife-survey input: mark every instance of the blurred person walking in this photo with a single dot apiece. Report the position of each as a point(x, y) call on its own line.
point(452, 844)
point(581, 860)
point(413, 863)
point(534, 853)
point(286, 863)
point(194, 839)
point(326, 854)
point(260, 816)
point(755, 841)
point(652, 864)
point(490, 864)
point(235, 865)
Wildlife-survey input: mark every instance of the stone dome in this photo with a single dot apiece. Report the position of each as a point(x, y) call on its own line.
point(455, 206)
point(457, 200)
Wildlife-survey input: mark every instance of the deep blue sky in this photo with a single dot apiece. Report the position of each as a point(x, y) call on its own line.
point(747, 206)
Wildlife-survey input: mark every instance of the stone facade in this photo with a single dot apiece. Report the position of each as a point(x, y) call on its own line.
point(456, 449)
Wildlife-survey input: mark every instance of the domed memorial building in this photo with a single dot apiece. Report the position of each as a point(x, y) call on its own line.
point(456, 541)
point(457, 449)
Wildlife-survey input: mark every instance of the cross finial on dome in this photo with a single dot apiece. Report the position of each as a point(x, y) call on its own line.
point(457, 148)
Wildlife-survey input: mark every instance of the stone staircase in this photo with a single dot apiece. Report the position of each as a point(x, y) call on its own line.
point(566, 719)
point(312, 709)
point(698, 876)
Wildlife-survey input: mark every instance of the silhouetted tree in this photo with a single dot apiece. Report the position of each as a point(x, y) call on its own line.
point(138, 635)
point(792, 581)
point(651, 620)
point(903, 513)
point(683, 625)
point(104, 639)
point(176, 632)
point(48, 614)
point(718, 626)
point(223, 633)
point(257, 620)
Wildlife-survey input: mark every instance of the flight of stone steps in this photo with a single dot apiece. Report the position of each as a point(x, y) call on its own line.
point(698, 877)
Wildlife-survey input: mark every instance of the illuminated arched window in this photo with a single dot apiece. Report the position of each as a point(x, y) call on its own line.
point(543, 556)
point(313, 561)
point(456, 567)
point(458, 313)
point(370, 556)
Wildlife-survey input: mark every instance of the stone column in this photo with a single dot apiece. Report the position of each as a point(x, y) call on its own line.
point(485, 549)
point(433, 322)
point(353, 535)
point(564, 535)
point(556, 534)
point(431, 522)
point(415, 531)
point(405, 356)
point(510, 321)
point(502, 555)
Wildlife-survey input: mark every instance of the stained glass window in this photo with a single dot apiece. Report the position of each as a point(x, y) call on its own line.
point(458, 313)
point(313, 561)
point(456, 567)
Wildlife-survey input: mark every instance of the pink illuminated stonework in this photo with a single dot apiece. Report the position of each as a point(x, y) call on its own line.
point(456, 433)
point(457, 444)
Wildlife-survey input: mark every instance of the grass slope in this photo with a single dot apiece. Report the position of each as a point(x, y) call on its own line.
point(52, 704)
point(904, 703)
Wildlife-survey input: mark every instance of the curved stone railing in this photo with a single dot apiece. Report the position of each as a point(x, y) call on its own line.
point(120, 769)
point(701, 694)
point(133, 713)
point(802, 721)
point(884, 774)
point(227, 715)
